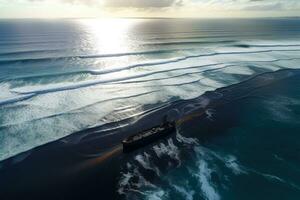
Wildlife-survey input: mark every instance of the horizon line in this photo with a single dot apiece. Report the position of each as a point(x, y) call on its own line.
point(65, 18)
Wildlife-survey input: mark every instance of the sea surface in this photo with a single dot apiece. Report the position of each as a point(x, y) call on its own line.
point(233, 85)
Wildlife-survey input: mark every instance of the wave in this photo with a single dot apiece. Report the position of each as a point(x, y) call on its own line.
point(176, 76)
point(118, 69)
point(265, 45)
point(189, 42)
point(32, 42)
point(73, 111)
point(223, 32)
point(16, 99)
point(95, 82)
point(136, 53)
point(47, 59)
point(50, 59)
point(33, 93)
point(30, 52)
point(201, 102)
point(72, 86)
point(38, 35)
point(205, 37)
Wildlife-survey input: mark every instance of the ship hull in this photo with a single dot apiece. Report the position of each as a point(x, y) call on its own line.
point(133, 145)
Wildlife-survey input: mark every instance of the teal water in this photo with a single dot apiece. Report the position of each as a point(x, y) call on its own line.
point(247, 149)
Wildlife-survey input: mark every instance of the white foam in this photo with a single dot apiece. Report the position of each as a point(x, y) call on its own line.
point(229, 161)
point(124, 180)
point(207, 187)
point(156, 195)
point(16, 98)
point(145, 161)
point(168, 150)
point(5, 90)
point(185, 140)
point(232, 163)
point(126, 186)
point(187, 194)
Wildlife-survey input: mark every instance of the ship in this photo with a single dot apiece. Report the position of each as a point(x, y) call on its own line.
point(148, 136)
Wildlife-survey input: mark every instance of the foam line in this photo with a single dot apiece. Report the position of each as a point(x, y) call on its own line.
point(266, 45)
point(189, 42)
point(182, 59)
point(49, 59)
point(3, 61)
point(32, 51)
point(16, 53)
point(205, 37)
point(93, 72)
point(16, 99)
point(135, 53)
point(34, 42)
point(95, 82)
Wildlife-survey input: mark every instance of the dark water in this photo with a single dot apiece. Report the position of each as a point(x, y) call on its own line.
point(71, 90)
point(246, 148)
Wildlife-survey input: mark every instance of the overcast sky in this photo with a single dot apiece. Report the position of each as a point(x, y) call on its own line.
point(147, 8)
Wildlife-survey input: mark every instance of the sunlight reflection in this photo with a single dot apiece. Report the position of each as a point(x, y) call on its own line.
point(108, 35)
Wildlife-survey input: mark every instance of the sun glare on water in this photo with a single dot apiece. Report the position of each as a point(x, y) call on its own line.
point(108, 35)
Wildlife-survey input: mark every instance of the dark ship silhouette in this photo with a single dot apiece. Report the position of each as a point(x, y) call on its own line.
point(148, 136)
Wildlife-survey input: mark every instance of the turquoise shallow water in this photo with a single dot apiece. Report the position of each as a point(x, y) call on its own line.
point(90, 81)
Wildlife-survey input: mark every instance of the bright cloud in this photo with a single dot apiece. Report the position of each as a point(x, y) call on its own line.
point(149, 8)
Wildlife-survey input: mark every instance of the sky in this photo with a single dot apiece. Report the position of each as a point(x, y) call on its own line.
point(148, 8)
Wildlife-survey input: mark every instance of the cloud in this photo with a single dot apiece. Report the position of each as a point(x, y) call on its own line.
point(272, 5)
point(143, 3)
point(250, 5)
point(124, 3)
point(70, 1)
point(200, 5)
point(265, 7)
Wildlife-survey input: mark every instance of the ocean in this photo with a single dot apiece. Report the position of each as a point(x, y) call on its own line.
point(71, 90)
